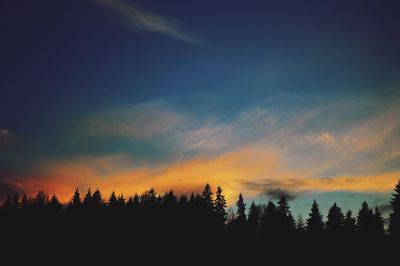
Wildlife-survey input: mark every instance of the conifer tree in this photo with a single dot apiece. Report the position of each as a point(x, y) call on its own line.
point(365, 219)
point(378, 228)
point(241, 210)
point(87, 200)
point(285, 220)
point(315, 225)
point(207, 198)
point(349, 223)
point(394, 218)
point(269, 219)
point(112, 202)
point(335, 219)
point(220, 206)
point(254, 217)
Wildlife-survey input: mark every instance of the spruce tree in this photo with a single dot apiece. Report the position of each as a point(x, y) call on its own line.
point(254, 217)
point(285, 220)
point(269, 219)
point(394, 218)
point(365, 219)
point(207, 199)
point(315, 225)
point(378, 228)
point(241, 210)
point(220, 206)
point(112, 202)
point(335, 219)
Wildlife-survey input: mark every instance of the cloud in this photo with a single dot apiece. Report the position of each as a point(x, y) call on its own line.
point(6, 137)
point(324, 138)
point(137, 121)
point(142, 20)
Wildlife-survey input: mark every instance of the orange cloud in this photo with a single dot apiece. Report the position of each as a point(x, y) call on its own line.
point(229, 170)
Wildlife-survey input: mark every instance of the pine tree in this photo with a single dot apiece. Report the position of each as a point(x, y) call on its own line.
point(365, 219)
point(112, 202)
point(121, 201)
point(378, 228)
point(254, 217)
point(220, 206)
point(285, 220)
point(55, 206)
point(97, 199)
point(315, 225)
point(76, 199)
point(394, 219)
point(335, 219)
point(241, 210)
point(269, 218)
point(87, 200)
point(207, 199)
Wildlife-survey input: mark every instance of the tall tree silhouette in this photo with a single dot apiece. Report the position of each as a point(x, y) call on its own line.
point(87, 200)
point(207, 198)
point(220, 206)
point(253, 217)
point(112, 201)
point(394, 218)
point(365, 219)
point(378, 228)
point(269, 219)
point(315, 225)
point(335, 219)
point(241, 210)
point(285, 220)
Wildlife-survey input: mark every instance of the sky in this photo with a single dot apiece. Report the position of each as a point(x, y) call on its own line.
point(263, 98)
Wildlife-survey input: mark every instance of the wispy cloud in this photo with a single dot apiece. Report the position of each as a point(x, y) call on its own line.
point(143, 20)
point(136, 121)
point(6, 137)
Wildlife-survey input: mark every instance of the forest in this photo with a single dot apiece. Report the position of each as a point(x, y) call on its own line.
point(198, 219)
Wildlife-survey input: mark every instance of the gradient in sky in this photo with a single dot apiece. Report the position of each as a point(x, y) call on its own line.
point(260, 97)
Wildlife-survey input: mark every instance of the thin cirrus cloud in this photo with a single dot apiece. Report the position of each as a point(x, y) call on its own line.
point(261, 151)
point(143, 20)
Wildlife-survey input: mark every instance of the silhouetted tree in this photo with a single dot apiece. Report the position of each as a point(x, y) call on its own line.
point(315, 225)
point(394, 218)
point(220, 206)
point(378, 229)
point(365, 219)
point(207, 198)
point(335, 219)
point(253, 217)
point(285, 220)
point(241, 210)
point(97, 199)
point(112, 201)
point(55, 206)
point(269, 218)
point(87, 200)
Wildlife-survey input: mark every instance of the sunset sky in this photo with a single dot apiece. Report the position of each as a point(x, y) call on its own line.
point(260, 97)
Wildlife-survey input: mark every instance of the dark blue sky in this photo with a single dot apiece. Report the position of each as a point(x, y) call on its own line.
point(163, 82)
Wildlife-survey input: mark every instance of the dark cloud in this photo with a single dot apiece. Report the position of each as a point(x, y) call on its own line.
point(275, 189)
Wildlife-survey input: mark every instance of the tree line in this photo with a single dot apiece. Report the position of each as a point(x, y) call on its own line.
point(197, 214)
